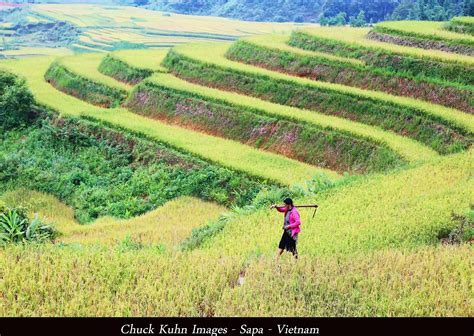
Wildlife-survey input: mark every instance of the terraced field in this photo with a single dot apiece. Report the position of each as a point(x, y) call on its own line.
point(389, 163)
point(431, 35)
point(108, 28)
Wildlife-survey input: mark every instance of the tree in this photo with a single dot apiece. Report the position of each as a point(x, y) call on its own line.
point(358, 21)
point(468, 8)
point(16, 101)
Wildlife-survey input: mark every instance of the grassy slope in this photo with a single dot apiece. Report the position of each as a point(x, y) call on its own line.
point(88, 69)
point(404, 209)
point(409, 149)
point(167, 225)
point(87, 65)
point(225, 152)
point(357, 36)
point(358, 280)
point(212, 53)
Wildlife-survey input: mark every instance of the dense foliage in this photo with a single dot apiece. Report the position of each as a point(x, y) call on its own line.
point(102, 172)
point(16, 101)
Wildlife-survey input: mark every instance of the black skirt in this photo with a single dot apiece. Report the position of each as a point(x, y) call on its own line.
point(287, 243)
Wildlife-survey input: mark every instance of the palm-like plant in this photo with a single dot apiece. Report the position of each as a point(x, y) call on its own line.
point(15, 227)
point(12, 226)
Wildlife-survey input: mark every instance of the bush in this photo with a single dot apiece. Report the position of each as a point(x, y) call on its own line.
point(16, 101)
point(382, 58)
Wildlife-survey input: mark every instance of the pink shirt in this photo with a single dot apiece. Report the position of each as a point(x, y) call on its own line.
point(294, 219)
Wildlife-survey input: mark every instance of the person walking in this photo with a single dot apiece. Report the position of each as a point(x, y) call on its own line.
point(291, 228)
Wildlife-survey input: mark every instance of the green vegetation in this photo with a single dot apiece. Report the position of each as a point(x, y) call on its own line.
point(225, 153)
point(428, 35)
point(385, 283)
point(122, 71)
point(258, 51)
point(193, 64)
point(329, 148)
point(461, 24)
point(16, 227)
point(100, 172)
point(16, 101)
point(84, 88)
point(24, 28)
point(424, 30)
point(149, 59)
point(415, 62)
point(175, 182)
point(166, 226)
point(408, 149)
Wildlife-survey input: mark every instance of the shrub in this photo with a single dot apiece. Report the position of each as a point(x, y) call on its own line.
point(16, 101)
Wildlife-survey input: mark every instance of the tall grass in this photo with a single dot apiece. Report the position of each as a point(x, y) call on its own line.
point(167, 225)
point(404, 209)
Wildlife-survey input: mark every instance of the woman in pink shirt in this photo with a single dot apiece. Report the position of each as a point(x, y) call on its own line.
point(291, 228)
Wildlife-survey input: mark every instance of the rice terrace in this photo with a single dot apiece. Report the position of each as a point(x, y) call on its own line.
point(141, 153)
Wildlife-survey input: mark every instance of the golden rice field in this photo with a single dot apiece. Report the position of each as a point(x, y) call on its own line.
point(373, 248)
point(167, 225)
point(107, 28)
point(200, 52)
point(426, 29)
point(358, 37)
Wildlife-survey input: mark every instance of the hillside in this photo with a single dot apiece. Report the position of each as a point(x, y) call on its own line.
point(157, 168)
point(52, 29)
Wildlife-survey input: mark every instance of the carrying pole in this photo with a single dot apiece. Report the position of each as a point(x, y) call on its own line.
point(315, 206)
